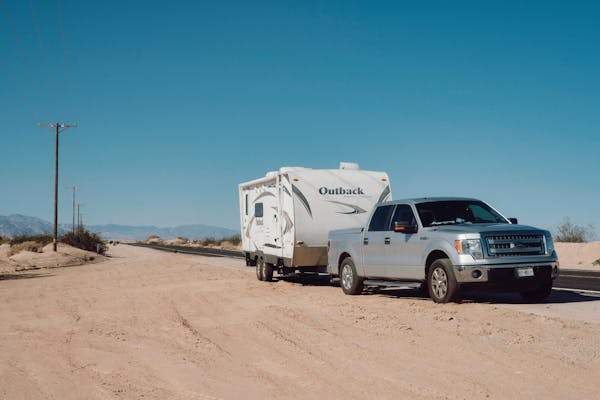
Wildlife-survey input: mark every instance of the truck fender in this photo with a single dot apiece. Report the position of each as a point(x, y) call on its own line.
point(439, 246)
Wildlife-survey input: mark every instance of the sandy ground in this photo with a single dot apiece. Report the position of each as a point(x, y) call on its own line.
point(66, 256)
point(156, 325)
point(579, 255)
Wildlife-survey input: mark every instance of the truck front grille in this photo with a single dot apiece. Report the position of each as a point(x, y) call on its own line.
point(515, 245)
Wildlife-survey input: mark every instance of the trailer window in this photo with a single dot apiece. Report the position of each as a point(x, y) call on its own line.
point(246, 205)
point(381, 219)
point(258, 210)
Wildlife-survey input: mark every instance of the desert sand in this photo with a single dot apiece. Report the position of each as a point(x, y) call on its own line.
point(16, 259)
point(579, 255)
point(154, 325)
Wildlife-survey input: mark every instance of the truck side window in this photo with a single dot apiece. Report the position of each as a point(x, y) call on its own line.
point(403, 214)
point(258, 210)
point(381, 219)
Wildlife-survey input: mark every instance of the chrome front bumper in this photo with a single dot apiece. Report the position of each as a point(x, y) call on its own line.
point(486, 273)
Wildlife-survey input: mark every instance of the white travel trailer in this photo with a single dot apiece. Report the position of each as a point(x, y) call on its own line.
point(286, 216)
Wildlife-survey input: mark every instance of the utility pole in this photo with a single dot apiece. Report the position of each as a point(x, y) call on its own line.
point(58, 128)
point(78, 218)
point(73, 224)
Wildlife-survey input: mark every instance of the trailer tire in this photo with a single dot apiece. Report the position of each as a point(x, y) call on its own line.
point(350, 282)
point(268, 272)
point(259, 269)
point(441, 281)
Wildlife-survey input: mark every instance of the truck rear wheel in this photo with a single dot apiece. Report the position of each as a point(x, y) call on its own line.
point(350, 282)
point(441, 282)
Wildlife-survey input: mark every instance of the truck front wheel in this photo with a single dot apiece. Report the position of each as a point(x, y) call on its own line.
point(350, 282)
point(441, 281)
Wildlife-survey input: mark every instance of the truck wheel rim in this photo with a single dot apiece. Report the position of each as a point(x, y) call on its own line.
point(439, 282)
point(347, 276)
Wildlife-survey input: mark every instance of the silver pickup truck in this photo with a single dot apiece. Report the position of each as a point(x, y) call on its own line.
point(447, 245)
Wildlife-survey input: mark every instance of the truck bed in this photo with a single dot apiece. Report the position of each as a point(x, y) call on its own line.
point(340, 241)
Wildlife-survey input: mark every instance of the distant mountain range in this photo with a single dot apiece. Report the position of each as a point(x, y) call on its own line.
point(193, 232)
point(15, 225)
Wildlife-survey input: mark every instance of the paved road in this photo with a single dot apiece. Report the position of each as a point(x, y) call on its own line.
point(568, 279)
point(192, 250)
point(578, 279)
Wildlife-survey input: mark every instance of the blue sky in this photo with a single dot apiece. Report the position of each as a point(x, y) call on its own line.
point(178, 102)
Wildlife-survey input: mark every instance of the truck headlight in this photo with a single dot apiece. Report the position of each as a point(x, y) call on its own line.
point(469, 246)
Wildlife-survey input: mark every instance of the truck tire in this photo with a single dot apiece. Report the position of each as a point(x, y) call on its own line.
point(441, 281)
point(268, 272)
point(350, 282)
point(538, 295)
point(259, 269)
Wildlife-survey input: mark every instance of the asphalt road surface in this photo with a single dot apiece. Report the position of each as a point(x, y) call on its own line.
point(568, 279)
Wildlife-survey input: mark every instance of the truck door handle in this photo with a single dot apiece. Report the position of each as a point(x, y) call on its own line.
point(366, 241)
point(387, 241)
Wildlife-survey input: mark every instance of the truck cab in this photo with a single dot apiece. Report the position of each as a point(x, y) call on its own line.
point(446, 244)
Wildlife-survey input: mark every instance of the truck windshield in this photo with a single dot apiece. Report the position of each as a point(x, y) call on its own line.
point(452, 212)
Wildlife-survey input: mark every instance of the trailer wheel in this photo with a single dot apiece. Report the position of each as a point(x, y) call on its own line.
point(259, 269)
point(442, 284)
point(350, 282)
point(268, 272)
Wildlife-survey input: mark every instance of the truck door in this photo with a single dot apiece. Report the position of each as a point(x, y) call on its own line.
point(374, 242)
point(404, 250)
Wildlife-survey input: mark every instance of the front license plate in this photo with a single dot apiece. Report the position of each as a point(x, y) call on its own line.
point(524, 272)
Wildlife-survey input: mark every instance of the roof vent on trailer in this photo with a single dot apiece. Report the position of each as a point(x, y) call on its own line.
point(271, 174)
point(349, 165)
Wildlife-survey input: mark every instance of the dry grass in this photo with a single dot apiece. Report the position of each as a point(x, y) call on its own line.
point(43, 238)
point(30, 245)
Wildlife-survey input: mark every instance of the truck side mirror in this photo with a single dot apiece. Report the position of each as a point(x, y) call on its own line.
point(513, 221)
point(404, 227)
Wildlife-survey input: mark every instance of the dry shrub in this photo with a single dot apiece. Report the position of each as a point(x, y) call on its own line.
point(85, 240)
point(210, 241)
point(573, 233)
point(34, 243)
point(234, 239)
point(28, 245)
point(44, 239)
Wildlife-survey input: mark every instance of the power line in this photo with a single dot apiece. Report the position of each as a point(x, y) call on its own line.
point(36, 27)
point(58, 128)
